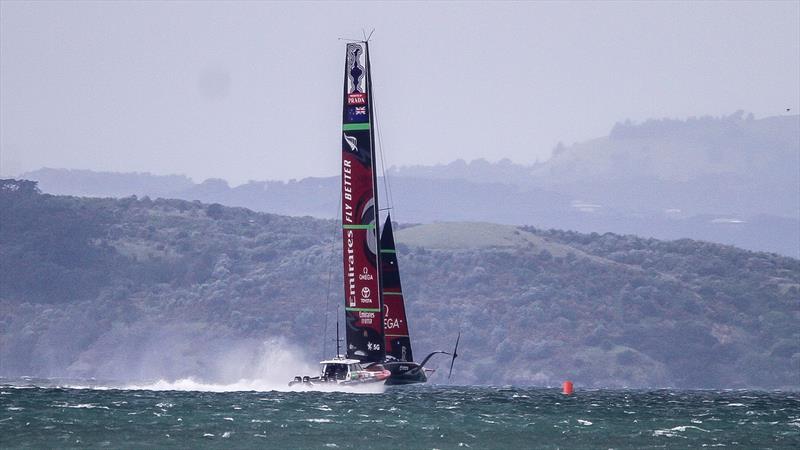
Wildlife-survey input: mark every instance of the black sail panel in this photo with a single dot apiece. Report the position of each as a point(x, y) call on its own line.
point(395, 324)
point(363, 307)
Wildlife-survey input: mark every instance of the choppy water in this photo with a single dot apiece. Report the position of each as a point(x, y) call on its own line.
point(402, 417)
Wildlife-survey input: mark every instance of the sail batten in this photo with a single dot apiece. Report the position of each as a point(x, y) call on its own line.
point(360, 227)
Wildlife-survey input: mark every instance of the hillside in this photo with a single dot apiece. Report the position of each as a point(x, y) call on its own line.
point(730, 165)
point(733, 165)
point(133, 289)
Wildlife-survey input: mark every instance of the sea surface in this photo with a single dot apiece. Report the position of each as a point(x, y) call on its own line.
point(46, 414)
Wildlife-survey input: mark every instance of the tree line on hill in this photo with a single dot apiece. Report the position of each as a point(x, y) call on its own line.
point(139, 289)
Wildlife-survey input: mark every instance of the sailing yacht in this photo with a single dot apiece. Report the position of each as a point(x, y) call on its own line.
point(378, 345)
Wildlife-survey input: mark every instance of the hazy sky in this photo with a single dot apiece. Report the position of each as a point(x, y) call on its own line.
point(252, 90)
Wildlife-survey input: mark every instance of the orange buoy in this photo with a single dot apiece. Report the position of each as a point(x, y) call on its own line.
point(568, 389)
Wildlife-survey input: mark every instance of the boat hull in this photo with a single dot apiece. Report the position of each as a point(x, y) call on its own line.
point(317, 381)
point(344, 372)
point(403, 372)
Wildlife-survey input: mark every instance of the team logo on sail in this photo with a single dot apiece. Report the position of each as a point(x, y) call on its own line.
point(352, 142)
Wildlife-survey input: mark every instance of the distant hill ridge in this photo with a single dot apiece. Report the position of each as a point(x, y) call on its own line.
point(731, 180)
point(132, 289)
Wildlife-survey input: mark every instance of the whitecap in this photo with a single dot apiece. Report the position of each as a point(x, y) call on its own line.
point(584, 422)
point(226, 434)
point(667, 433)
point(319, 420)
point(228, 418)
point(80, 405)
point(683, 428)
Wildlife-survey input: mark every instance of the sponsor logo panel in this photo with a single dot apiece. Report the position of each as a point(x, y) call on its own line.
point(360, 274)
point(394, 320)
point(356, 188)
point(357, 99)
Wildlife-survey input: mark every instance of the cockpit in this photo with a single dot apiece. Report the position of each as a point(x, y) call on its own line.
point(339, 371)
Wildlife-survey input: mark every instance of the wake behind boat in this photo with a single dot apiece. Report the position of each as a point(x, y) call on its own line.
point(376, 327)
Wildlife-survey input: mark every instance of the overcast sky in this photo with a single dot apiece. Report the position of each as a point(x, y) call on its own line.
point(252, 90)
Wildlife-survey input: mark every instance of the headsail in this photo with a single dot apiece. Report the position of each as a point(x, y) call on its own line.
point(362, 284)
point(395, 325)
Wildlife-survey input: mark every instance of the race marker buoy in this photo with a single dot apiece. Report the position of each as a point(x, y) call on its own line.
point(568, 388)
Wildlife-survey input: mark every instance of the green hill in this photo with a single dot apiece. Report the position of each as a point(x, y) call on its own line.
point(134, 289)
point(475, 235)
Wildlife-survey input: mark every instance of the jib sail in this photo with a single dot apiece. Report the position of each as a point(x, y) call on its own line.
point(395, 325)
point(362, 284)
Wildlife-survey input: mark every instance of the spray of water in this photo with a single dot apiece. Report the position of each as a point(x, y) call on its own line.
point(269, 367)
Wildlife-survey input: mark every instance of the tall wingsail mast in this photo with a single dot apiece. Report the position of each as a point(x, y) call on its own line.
point(360, 226)
point(398, 343)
